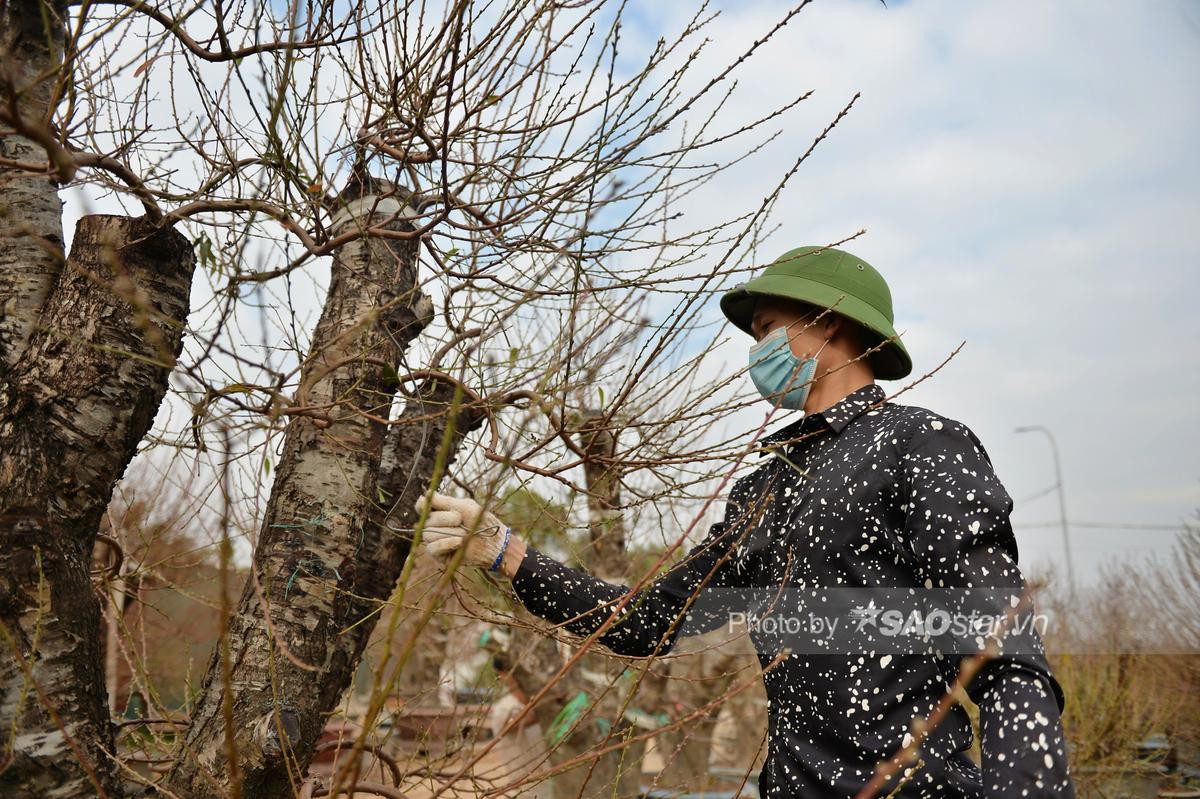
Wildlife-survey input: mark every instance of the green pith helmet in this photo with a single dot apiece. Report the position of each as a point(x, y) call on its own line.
point(831, 279)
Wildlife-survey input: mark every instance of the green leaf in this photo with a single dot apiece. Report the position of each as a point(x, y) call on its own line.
point(204, 252)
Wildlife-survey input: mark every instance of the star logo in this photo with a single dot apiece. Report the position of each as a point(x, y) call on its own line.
point(866, 615)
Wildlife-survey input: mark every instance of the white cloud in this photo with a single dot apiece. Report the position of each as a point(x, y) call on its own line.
point(1028, 178)
point(1027, 175)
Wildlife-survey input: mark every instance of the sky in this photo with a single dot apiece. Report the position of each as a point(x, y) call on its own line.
point(1028, 177)
point(1028, 180)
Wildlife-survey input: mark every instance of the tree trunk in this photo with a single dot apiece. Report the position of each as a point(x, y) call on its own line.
point(606, 527)
point(409, 463)
point(31, 237)
point(72, 409)
point(324, 561)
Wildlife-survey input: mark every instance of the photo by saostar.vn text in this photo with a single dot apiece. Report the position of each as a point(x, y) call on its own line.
point(852, 620)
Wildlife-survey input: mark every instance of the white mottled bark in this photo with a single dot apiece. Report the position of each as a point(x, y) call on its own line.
point(31, 238)
point(323, 562)
point(73, 407)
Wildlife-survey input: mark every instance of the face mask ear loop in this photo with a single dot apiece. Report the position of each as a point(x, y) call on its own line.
point(817, 377)
point(822, 347)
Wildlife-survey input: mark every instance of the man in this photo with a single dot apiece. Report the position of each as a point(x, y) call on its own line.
point(865, 497)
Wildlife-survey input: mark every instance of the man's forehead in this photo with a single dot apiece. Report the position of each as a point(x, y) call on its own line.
point(767, 303)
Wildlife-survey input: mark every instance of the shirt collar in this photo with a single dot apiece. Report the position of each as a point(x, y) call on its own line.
point(835, 417)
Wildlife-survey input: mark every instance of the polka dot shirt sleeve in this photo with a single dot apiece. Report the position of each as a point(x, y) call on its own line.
point(1024, 753)
point(653, 618)
point(957, 526)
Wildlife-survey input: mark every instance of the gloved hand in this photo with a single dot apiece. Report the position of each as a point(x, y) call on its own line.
point(455, 520)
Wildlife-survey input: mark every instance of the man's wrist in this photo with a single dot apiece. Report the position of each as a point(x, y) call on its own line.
point(513, 555)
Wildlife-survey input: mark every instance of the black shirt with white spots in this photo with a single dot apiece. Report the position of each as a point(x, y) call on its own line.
point(868, 494)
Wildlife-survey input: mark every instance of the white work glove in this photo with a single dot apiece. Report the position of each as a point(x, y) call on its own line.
point(455, 520)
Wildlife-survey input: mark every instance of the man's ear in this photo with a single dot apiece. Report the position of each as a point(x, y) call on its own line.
point(834, 324)
point(856, 338)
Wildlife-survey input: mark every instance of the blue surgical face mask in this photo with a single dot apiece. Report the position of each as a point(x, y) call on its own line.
point(775, 370)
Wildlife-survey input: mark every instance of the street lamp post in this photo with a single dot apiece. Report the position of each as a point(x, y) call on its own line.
point(1062, 501)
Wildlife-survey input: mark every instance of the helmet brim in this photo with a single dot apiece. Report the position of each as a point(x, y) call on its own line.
point(890, 361)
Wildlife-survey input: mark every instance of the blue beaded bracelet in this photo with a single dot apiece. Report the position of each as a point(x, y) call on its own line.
point(496, 563)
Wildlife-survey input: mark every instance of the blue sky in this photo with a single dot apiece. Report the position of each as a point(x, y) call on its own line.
point(1028, 177)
